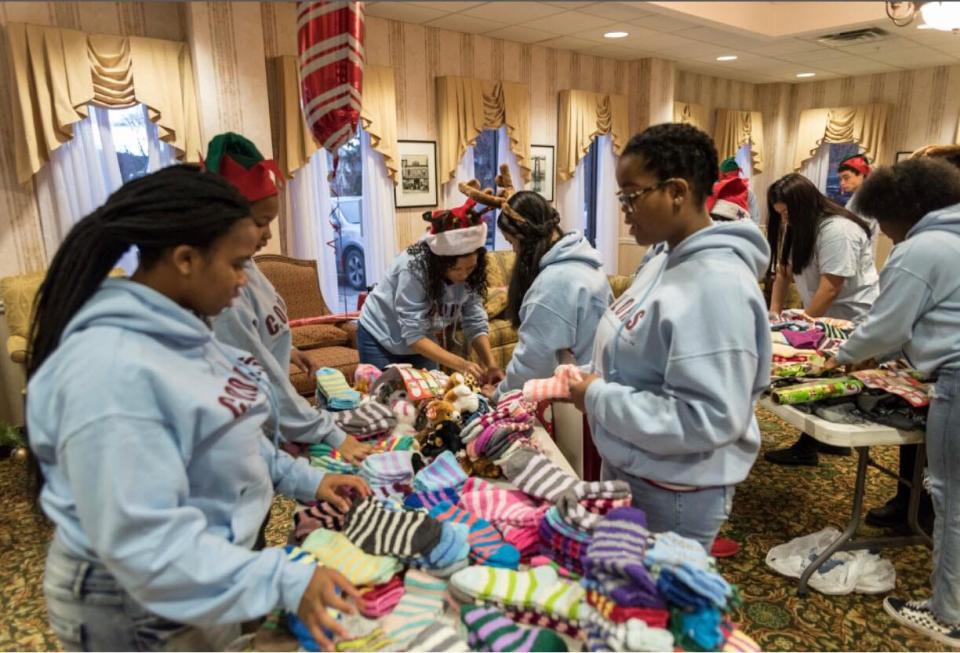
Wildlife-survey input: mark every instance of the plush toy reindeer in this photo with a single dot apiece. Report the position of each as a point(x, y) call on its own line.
point(493, 199)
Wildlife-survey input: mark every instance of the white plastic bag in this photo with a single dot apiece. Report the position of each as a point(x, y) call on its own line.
point(842, 573)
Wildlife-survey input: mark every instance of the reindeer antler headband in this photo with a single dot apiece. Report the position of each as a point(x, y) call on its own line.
point(492, 200)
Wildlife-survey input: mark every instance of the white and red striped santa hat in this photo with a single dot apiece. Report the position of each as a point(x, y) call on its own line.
point(728, 201)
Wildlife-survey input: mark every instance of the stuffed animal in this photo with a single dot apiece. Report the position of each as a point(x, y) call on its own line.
point(458, 393)
point(440, 410)
point(482, 467)
point(406, 415)
point(446, 437)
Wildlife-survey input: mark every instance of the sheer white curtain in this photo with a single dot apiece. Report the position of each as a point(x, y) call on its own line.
point(745, 160)
point(608, 207)
point(378, 217)
point(311, 234)
point(817, 168)
point(465, 172)
point(84, 171)
point(570, 201)
point(505, 155)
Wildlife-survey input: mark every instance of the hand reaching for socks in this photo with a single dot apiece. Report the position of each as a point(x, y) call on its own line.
point(354, 451)
point(324, 591)
point(333, 486)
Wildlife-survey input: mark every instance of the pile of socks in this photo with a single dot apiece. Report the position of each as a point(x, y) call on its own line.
point(368, 419)
point(421, 605)
point(516, 515)
point(490, 630)
point(334, 550)
point(538, 590)
point(487, 546)
point(564, 543)
point(333, 393)
point(496, 434)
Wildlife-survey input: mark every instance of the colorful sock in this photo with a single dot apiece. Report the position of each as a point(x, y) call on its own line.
point(486, 544)
point(388, 467)
point(321, 514)
point(691, 587)
point(697, 630)
point(671, 550)
point(533, 618)
point(367, 372)
point(537, 588)
point(370, 417)
point(420, 606)
point(381, 599)
point(443, 472)
point(612, 611)
point(490, 630)
point(453, 546)
point(335, 551)
point(333, 386)
point(379, 531)
point(439, 637)
point(376, 640)
point(736, 641)
point(533, 473)
point(555, 387)
point(429, 499)
point(500, 506)
point(603, 506)
point(391, 491)
point(633, 635)
point(619, 545)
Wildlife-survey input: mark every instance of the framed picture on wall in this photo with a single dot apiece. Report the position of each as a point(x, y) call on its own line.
point(417, 186)
point(542, 171)
point(902, 156)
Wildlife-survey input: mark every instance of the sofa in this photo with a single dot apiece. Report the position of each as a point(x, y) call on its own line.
point(327, 345)
point(503, 337)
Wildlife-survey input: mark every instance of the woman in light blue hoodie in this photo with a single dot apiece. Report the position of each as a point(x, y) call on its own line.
point(149, 433)
point(557, 292)
point(681, 357)
point(917, 315)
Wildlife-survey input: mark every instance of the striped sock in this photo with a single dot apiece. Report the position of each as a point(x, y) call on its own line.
point(428, 499)
point(533, 473)
point(555, 387)
point(490, 630)
point(503, 586)
point(370, 417)
point(499, 506)
point(333, 385)
point(443, 472)
point(379, 531)
point(321, 514)
point(437, 638)
point(335, 551)
point(381, 599)
point(420, 606)
point(388, 467)
point(486, 544)
point(376, 640)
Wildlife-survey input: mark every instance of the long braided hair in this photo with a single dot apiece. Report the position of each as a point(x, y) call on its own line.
point(179, 205)
point(535, 236)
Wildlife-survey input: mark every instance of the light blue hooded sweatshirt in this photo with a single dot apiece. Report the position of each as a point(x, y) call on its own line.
point(257, 322)
point(560, 311)
point(683, 355)
point(398, 311)
point(149, 433)
point(918, 309)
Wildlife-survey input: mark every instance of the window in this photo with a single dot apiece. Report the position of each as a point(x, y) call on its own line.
point(130, 140)
point(838, 152)
point(590, 164)
point(346, 190)
point(485, 169)
point(744, 157)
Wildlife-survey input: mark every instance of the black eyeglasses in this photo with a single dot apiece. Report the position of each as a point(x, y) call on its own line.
point(627, 200)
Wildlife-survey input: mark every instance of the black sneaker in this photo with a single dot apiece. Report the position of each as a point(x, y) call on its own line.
point(801, 452)
point(890, 515)
point(916, 615)
point(833, 450)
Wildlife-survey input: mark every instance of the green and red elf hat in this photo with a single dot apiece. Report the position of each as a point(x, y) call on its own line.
point(857, 163)
point(237, 159)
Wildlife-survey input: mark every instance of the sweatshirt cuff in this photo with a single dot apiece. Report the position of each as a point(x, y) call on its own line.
point(594, 394)
point(304, 480)
point(335, 437)
point(294, 578)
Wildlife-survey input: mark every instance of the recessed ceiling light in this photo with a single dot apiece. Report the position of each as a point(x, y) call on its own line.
point(616, 35)
point(727, 57)
point(923, 26)
point(806, 74)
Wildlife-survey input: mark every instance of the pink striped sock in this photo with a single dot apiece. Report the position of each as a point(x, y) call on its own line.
point(556, 387)
point(500, 506)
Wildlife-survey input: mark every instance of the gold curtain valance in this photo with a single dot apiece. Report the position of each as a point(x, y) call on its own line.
point(865, 125)
point(734, 129)
point(583, 116)
point(465, 107)
point(691, 114)
point(57, 72)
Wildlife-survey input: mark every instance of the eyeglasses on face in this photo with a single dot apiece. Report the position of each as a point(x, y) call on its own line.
point(628, 200)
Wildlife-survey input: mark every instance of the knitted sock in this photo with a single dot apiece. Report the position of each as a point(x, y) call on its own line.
point(555, 387)
point(439, 637)
point(563, 600)
point(533, 618)
point(333, 385)
point(369, 417)
point(503, 586)
point(421, 604)
point(490, 630)
point(335, 551)
point(381, 599)
point(619, 543)
point(533, 473)
point(322, 514)
point(671, 550)
point(375, 640)
point(633, 635)
point(388, 467)
point(697, 630)
point(379, 531)
point(690, 587)
point(443, 472)
point(453, 546)
point(428, 499)
point(610, 610)
point(486, 544)
point(391, 491)
point(737, 641)
point(500, 506)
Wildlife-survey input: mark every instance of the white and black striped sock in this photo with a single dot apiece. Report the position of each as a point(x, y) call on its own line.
point(398, 533)
point(439, 637)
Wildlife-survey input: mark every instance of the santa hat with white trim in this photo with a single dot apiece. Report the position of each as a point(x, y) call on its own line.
point(456, 232)
point(728, 201)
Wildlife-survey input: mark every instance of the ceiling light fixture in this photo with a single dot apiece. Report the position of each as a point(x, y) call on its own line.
point(943, 16)
point(806, 74)
point(727, 57)
point(616, 35)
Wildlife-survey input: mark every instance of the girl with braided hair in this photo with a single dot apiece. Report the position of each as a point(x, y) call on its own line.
point(149, 432)
point(557, 293)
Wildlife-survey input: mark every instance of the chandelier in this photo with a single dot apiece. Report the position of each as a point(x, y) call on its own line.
point(944, 16)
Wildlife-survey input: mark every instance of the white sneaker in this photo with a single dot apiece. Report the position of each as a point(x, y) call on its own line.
point(917, 615)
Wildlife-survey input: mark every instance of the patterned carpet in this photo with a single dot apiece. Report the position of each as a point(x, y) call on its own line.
point(765, 513)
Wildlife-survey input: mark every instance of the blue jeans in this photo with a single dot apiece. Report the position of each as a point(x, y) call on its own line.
point(89, 611)
point(373, 353)
point(943, 471)
point(697, 515)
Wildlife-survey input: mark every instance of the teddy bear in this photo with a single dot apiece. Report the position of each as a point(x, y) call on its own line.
point(458, 393)
point(440, 410)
